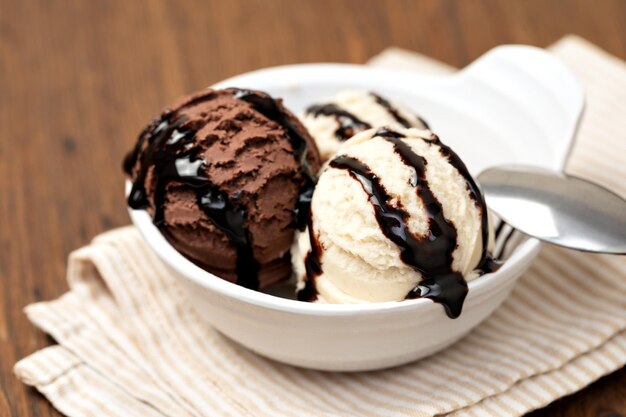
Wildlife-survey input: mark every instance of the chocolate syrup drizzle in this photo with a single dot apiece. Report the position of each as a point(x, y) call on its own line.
point(313, 267)
point(172, 152)
point(487, 262)
point(431, 255)
point(348, 123)
point(268, 107)
point(395, 113)
point(391, 110)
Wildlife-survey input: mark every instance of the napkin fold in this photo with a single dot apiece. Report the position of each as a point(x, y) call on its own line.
point(129, 344)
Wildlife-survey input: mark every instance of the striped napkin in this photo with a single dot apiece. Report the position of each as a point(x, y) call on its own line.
point(129, 345)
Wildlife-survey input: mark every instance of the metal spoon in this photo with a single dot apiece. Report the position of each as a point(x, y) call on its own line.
point(557, 208)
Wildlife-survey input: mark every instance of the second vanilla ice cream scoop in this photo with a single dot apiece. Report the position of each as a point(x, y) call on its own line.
point(337, 119)
point(395, 215)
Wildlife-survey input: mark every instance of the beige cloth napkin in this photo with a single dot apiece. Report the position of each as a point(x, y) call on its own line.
point(128, 344)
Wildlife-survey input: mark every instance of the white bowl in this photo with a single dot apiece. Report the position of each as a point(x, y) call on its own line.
point(516, 104)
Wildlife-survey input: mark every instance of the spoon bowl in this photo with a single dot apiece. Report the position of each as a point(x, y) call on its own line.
point(557, 208)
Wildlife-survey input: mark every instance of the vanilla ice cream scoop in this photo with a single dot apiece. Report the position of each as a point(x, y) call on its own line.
point(395, 215)
point(350, 112)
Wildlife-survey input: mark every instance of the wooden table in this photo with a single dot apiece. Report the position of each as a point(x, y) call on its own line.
point(79, 79)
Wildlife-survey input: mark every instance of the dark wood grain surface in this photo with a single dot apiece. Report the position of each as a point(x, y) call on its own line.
point(78, 79)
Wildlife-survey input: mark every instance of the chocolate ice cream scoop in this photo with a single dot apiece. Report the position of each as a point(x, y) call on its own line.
point(227, 176)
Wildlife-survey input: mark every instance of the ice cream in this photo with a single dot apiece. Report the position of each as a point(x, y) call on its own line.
point(338, 119)
point(395, 215)
point(227, 176)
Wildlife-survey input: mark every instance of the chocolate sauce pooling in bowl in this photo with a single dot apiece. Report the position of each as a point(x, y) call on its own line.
point(430, 255)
